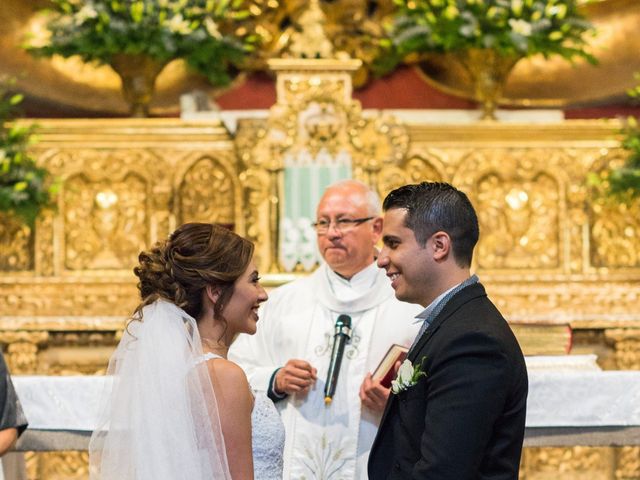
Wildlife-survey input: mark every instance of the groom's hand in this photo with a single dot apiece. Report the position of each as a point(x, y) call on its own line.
point(297, 376)
point(373, 395)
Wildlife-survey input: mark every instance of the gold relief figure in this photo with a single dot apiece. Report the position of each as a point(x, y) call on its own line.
point(207, 194)
point(310, 41)
point(520, 221)
point(105, 222)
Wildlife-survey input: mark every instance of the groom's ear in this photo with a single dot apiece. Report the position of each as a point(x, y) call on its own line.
point(441, 244)
point(212, 293)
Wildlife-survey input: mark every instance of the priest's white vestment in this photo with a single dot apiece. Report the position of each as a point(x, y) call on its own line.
point(327, 442)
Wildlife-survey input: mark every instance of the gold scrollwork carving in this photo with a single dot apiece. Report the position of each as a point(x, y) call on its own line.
point(22, 350)
point(16, 241)
point(379, 143)
point(63, 465)
point(415, 170)
point(614, 234)
point(626, 342)
point(628, 464)
point(44, 239)
point(615, 225)
point(577, 302)
point(573, 463)
point(255, 184)
point(62, 299)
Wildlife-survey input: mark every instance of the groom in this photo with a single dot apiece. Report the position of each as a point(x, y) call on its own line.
point(460, 414)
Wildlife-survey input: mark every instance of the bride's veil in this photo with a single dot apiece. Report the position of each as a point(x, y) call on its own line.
point(160, 418)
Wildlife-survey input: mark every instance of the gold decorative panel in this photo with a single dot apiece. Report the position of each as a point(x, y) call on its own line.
point(616, 226)
point(124, 185)
point(207, 193)
point(519, 217)
point(107, 222)
point(551, 250)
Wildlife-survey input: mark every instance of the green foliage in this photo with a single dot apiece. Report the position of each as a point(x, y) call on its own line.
point(623, 184)
point(25, 188)
point(519, 28)
point(625, 181)
point(202, 32)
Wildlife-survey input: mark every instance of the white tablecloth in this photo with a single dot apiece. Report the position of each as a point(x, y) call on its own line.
point(60, 402)
point(564, 391)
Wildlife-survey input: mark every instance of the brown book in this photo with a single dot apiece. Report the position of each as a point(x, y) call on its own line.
point(543, 338)
point(385, 371)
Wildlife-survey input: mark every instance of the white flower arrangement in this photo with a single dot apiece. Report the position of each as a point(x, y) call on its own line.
point(518, 28)
point(202, 32)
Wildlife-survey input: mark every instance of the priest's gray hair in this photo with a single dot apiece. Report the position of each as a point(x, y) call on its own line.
point(374, 205)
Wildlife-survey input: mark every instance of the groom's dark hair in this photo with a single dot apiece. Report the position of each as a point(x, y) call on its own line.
point(433, 207)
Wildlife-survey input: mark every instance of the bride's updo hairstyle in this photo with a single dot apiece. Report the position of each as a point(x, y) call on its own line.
point(194, 256)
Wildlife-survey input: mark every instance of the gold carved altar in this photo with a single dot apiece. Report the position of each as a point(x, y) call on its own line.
point(551, 250)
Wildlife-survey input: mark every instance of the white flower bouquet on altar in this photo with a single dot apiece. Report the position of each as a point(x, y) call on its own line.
point(138, 38)
point(518, 28)
point(202, 32)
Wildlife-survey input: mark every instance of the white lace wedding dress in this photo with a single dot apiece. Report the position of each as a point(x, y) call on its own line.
point(267, 432)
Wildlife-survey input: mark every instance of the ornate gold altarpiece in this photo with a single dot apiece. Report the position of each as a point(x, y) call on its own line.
point(551, 249)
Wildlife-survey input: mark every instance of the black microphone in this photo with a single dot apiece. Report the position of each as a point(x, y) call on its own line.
point(340, 338)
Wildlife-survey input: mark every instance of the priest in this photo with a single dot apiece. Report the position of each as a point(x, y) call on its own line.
point(290, 354)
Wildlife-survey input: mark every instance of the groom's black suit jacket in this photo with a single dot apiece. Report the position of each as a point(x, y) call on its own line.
point(465, 419)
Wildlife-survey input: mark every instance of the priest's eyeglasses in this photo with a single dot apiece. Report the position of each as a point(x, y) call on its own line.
point(342, 225)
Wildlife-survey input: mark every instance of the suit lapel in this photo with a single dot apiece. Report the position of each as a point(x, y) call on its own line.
point(463, 296)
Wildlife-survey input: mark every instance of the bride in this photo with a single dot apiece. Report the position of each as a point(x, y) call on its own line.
point(176, 407)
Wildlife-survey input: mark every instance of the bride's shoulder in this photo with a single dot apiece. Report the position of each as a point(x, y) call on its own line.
point(228, 375)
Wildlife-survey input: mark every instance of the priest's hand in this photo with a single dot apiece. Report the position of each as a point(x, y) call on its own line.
point(373, 395)
point(297, 376)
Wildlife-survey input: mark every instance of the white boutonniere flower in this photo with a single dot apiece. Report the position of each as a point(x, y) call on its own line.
point(407, 377)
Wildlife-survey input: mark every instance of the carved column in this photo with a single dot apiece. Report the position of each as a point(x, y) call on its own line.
point(22, 350)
